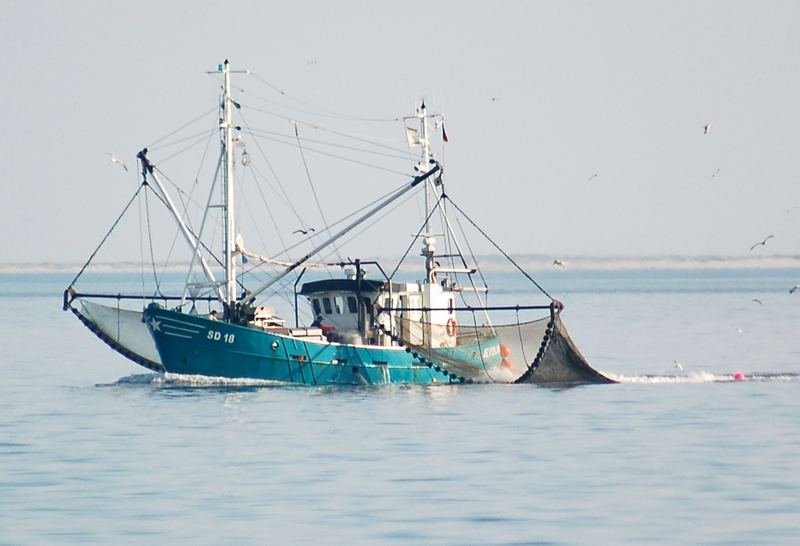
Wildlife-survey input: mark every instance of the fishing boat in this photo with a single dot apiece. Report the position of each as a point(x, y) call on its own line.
point(366, 323)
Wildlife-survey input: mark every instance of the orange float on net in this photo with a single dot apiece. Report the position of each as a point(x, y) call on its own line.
point(505, 352)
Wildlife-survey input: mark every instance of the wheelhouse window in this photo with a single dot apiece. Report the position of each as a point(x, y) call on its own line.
point(352, 304)
point(339, 301)
point(317, 308)
point(326, 303)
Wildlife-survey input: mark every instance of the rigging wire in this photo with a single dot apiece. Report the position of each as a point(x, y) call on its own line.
point(150, 239)
point(203, 158)
point(183, 139)
point(287, 200)
point(369, 205)
point(372, 223)
point(189, 197)
point(141, 246)
point(321, 110)
point(354, 236)
point(205, 246)
point(332, 131)
point(317, 112)
point(471, 253)
point(352, 214)
point(265, 133)
point(253, 217)
point(102, 242)
point(313, 189)
point(416, 238)
point(185, 149)
point(503, 252)
point(182, 127)
point(329, 154)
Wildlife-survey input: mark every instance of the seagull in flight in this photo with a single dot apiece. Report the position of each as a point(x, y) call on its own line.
point(560, 264)
point(758, 301)
point(304, 231)
point(678, 365)
point(762, 243)
point(591, 177)
point(715, 173)
point(706, 128)
point(115, 159)
point(794, 289)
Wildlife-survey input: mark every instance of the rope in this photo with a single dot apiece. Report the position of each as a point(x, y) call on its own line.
point(503, 252)
point(113, 226)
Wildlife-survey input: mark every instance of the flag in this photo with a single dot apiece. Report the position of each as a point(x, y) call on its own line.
point(444, 134)
point(412, 137)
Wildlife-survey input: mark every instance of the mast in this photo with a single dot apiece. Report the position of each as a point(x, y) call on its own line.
point(428, 241)
point(226, 126)
point(426, 156)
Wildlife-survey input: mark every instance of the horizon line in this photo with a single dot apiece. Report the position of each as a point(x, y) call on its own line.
point(494, 262)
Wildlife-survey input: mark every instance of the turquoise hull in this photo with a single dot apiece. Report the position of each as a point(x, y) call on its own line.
point(194, 345)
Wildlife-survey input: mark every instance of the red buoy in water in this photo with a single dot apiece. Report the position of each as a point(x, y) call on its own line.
point(738, 376)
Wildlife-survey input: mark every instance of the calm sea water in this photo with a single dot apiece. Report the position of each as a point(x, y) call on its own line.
point(94, 450)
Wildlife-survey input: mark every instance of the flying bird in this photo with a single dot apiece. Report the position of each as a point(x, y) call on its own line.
point(678, 365)
point(715, 173)
point(758, 301)
point(115, 159)
point(762, 243)
point(591, 177)
point(304, 231)
point(794, 289)
point(706, 128)
point(560, 264)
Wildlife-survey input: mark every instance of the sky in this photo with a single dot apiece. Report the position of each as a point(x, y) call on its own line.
point(575, 128)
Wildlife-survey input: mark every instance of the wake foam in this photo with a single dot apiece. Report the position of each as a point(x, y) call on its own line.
point(704, 377)
point(171, 380)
